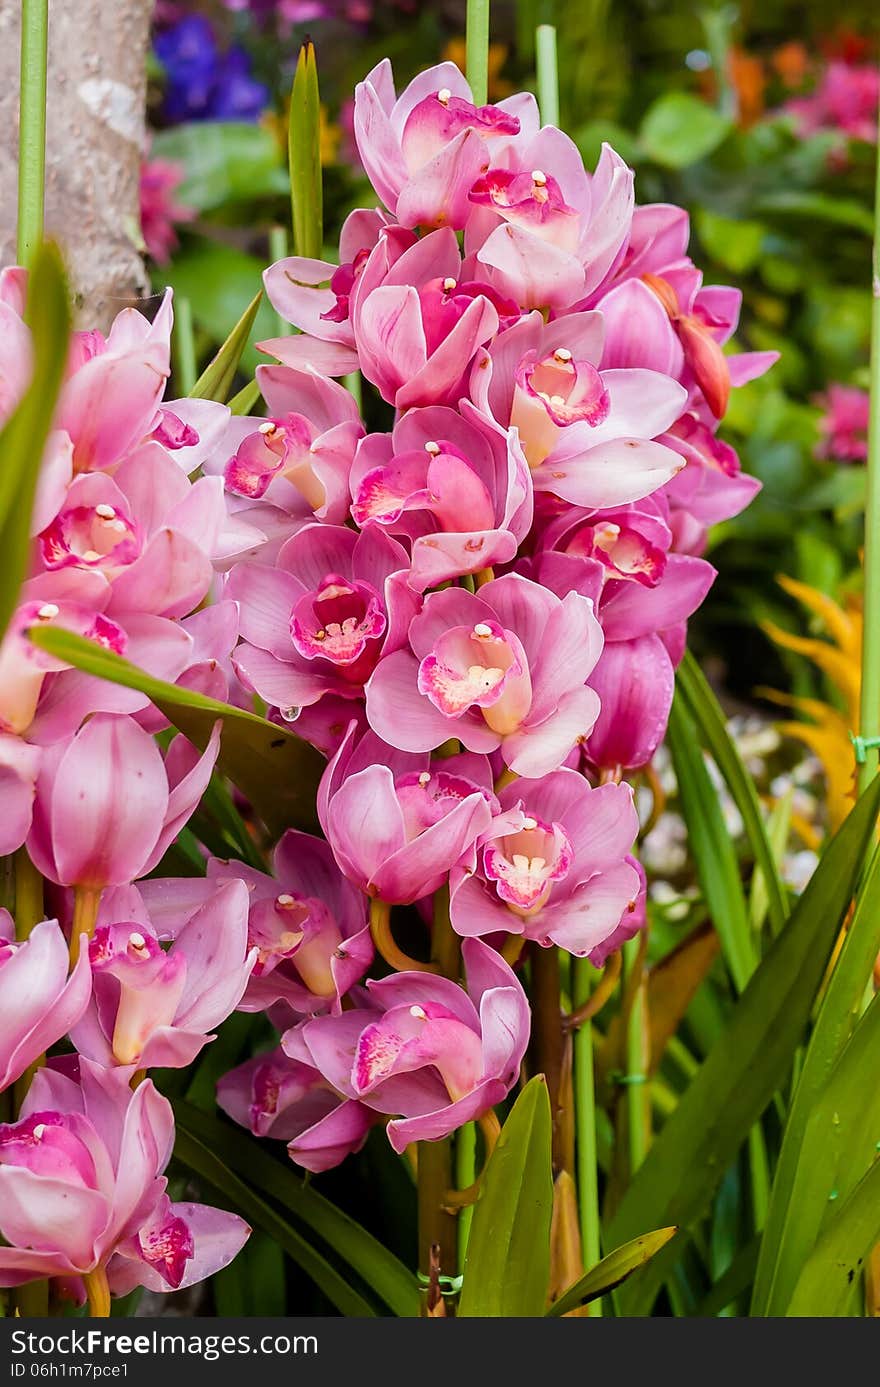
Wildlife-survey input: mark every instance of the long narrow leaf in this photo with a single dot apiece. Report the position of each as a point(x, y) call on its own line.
point(835, 1023)
point(507, 1269)
point(373, 1262)
point(215, 382)
point(276, 770)
point(712, 848)
point(709, 718)
point(830, 1277)
point(207, 1164)
point(304, 152)
point(24, 436)
point(748, 1063)
point(612, 1270)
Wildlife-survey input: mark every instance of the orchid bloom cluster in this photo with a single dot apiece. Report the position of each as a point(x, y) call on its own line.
point(474, 615)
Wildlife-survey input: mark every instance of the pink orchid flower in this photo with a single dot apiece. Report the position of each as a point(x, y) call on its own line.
point(586, 433)
point(147, 530)
point(19, 768)
point(315, 297)
point(289, 1100)
point(418, 321)
point(643, 594)
point(553, 866)
point(40, 1003)
point(543, 231)
point(423, 150)
point(396, 824)
point(81, 1188)
point(299, 458)
point(711, 488)
point(154, 1008)
point(319, 621)
point(425, 1050)
point(504, 669)
point(439, 468)
point(115, 388)
point(307, 924)
point(108, 806)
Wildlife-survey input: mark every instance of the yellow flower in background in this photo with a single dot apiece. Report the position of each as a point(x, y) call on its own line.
point(499, 87)
point(827, 729)
point(331, 132)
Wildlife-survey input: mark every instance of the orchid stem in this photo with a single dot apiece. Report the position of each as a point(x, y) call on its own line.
point(477, 50)
point(638, 1093)
point(585, 1121)
point(548, 1046)
point(32, 127)
point(869, 705)
point(86, 900)
point(465, 1175)
point(185, 347)
point(547, 73)
point(98, 1293)
point(383, 939)
point(28, 895)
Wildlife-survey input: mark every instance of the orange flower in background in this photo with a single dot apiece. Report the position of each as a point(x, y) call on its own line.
point(791, 63)
point(747, 77)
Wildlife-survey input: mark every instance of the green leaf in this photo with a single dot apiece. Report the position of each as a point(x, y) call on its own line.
point(807, 1142)
point(749, 1062)
point(378, 1268)
point(819, 207)
point(275, 769)
point(712, 727)
point(612, 1270)
point(220, 281)
point(678, 129)
point(829, 1279)
point(24, 435)
point(839, 1147)
point(733, 1282)
point(225, 162)
point(507, 1268)
point(712, 847)
point(253, 1284)
point(215, 382)
point(246, 400)
point(304, 152)
point(205, 1162)
point(735, 244)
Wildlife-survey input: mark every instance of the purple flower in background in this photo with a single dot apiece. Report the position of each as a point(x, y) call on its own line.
point(204, 83)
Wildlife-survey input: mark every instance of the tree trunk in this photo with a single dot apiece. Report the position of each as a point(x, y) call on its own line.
point(94, 140)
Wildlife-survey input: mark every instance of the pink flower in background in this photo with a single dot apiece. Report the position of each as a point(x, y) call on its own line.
point(844, 424)
point(504, 669)
point(81, 1187)
point(39, 1002)
point(290, 1100)
point(161, 212)
point(552, 866)
point(845, 99)
point(424, 1050)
